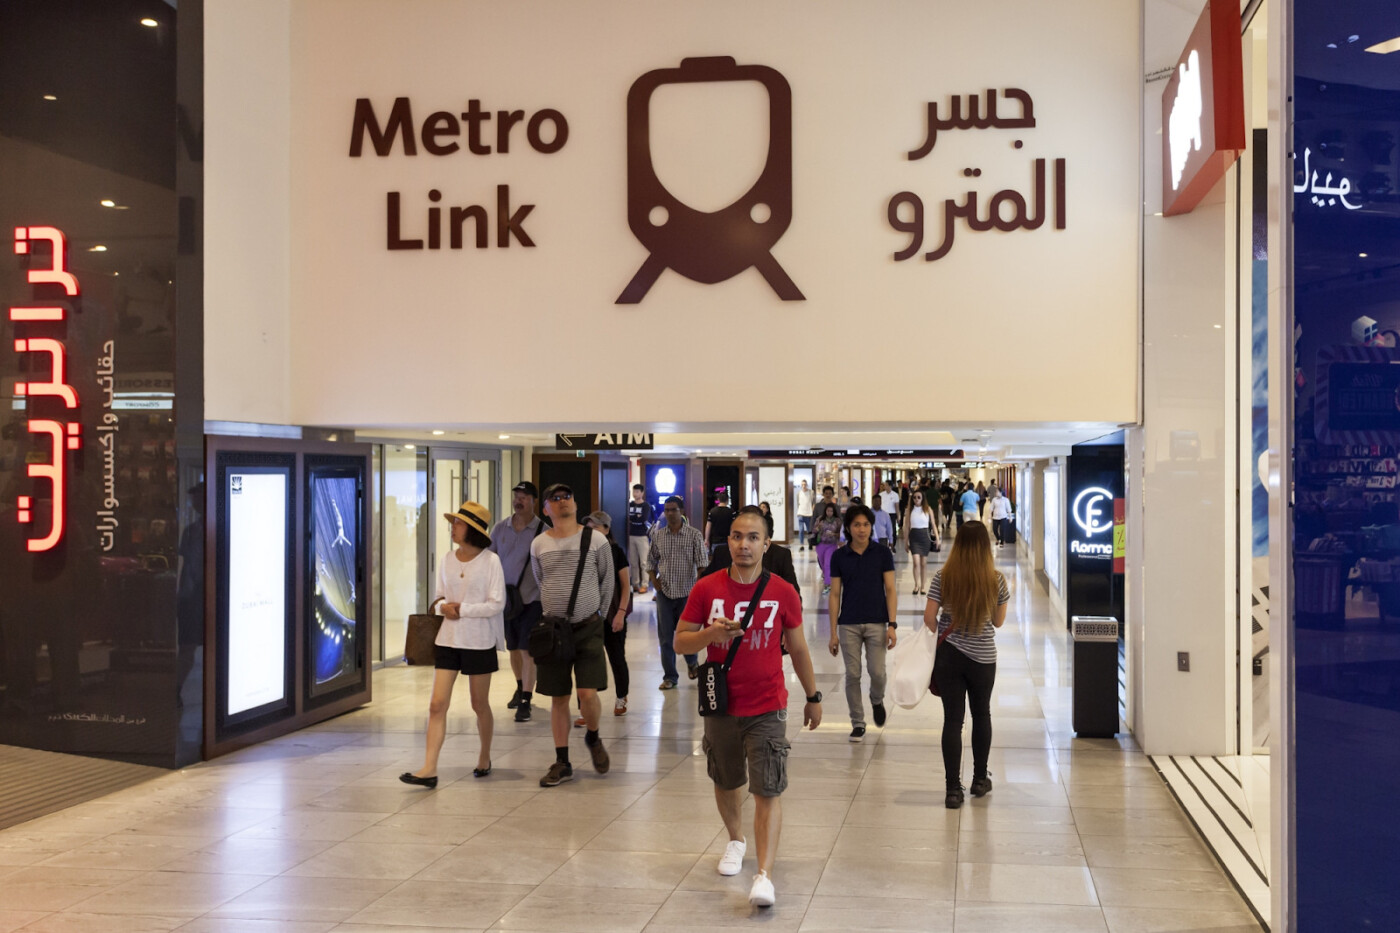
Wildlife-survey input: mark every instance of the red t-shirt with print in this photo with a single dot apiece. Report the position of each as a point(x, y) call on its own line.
point(756, 682)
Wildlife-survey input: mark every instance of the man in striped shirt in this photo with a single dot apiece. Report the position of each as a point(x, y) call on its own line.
point(555, 558)
point(678, 555)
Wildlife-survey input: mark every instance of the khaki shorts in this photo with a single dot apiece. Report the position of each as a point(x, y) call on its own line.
point(589, 670)
point(759, 742)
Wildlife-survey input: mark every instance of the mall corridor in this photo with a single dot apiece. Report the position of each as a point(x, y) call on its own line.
point(314, 832)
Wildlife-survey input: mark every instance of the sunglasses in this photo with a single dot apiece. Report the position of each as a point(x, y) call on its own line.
point(561, 497)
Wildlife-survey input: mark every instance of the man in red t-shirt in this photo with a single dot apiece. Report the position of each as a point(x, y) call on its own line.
point(750, 742)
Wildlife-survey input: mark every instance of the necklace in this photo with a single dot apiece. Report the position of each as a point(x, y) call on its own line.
point(737, 579)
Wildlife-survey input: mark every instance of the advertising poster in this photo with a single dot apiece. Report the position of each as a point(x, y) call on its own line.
point(257, 588)
point(335, 541)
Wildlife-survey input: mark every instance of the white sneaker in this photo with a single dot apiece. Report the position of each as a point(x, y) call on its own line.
point(762, 894)
point(733, 858)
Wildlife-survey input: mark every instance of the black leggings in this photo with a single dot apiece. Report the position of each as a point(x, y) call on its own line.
point(615, 643)
point(960, 678)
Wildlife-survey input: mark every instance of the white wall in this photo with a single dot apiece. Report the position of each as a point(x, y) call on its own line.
point(1181, 489)
point(369, 328)
point(247, 211)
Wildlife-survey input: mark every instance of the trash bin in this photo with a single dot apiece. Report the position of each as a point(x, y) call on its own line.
point(1095, 676)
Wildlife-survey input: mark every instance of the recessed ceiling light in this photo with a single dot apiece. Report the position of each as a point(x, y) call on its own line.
point(408, 447)
point(99, 248)
point(1216, 326)
point(147, 21)
point(1362, 255)
point(439, 433)
point(107, 202)
point(1352, 38)
point(1331, 45)
point(50, 97)
point(1386, 47)
point(504, 437)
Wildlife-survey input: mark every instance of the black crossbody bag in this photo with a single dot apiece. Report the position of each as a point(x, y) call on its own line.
point(714, 677)
point(552, 638)
point(515, 604)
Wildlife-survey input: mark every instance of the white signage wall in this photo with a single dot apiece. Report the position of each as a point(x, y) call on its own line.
point(946, 167)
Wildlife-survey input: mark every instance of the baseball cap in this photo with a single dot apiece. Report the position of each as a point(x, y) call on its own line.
point(526, 487)
point(601, 519)
point(557, 487)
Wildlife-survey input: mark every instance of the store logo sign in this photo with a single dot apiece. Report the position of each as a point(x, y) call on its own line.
point(709, 247)
point(1089, 512)
point(1184, 124)
point(48, 380)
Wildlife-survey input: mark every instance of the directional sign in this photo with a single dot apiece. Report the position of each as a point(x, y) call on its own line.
point(602, 440)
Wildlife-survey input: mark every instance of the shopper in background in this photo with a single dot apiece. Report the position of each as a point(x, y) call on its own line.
point(981, 499)
point(884, 523)
point(717, 523)
point(749, 742)
point(678, 554)
point(862, 605)
point(767, 517)
point(828, 497)
point(920, 533)
point(615, 619)
point(471, 590)
point(888, 503)
point(828, 535)
point(968, 505)
point(555, 556)
point(947, 500)
point(777, 560)
point(638, 536)
point(1001, 511)
point(802, 511)
point(510, 540)
point(843, 501)
point(967, 599)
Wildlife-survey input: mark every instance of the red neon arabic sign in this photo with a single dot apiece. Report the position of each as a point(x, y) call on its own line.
point(61, 435)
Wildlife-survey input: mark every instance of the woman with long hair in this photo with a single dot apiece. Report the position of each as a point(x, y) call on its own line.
point(471, 588)
point(966, 605)
point(828, 534)
point(767, 511)
point(920, 533)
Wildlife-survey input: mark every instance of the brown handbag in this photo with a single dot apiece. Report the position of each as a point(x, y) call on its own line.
point(421, 638)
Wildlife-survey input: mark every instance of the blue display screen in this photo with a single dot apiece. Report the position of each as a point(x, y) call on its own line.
point(663, 480)
point(334, 550)
point(1345, 443)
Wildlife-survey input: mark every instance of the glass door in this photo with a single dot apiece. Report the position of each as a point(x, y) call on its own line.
point(459, 475)
point(404, 524)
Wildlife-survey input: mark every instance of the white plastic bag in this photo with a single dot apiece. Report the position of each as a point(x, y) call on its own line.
point(913, 667)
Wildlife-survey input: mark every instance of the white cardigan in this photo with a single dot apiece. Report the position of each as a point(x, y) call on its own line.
point(479, 585)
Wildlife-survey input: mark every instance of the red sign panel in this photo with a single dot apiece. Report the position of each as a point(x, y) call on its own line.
point(59, 434)
point(1203, 130)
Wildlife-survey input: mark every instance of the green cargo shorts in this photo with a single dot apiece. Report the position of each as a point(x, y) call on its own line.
point(589, 669)
point(758, 744)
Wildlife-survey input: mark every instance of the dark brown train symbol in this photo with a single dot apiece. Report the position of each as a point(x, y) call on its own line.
point(710, 247)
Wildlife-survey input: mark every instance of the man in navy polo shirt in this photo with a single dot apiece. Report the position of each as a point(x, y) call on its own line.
point(862, 605)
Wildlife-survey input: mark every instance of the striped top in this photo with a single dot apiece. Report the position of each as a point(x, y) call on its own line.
point(555, 560)
point(979, 644)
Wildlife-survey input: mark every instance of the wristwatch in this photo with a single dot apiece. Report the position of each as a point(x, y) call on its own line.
point(892, 624)
point(815, 698)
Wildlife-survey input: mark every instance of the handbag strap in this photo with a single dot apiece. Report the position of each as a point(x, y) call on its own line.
point(748, 617)
point(521, 580)
point(583, 547)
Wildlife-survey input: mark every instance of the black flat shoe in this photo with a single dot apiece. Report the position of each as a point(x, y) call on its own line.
point(482, 772)
point(981, 786)
point(408, 777)
point(954, 800)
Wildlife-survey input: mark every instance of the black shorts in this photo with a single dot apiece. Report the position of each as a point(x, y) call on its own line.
point(518, 629)
point(466, 660)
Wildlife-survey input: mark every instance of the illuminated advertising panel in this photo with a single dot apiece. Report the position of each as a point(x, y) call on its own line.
point(333, 618)
point(256, 522)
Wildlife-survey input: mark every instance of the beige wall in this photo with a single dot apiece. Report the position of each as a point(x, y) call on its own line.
point(1043, 323)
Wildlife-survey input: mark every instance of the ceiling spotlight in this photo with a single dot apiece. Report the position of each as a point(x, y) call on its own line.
point(99, 248)
point(148, 22)
point(50, 97)
point(107, 202)
point(504, 437)
point(409, 447)
point(439, 433)
point(1362, 255)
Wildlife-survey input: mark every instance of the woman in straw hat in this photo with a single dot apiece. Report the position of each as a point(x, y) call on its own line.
point(471, 589)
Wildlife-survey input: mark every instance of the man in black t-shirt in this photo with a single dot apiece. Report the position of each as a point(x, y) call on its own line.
point(638, 544)
point(717, 523)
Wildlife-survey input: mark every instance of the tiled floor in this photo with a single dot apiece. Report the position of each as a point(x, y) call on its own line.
point(314, 832)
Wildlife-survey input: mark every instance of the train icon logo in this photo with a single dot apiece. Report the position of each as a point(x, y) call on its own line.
point(709, 247)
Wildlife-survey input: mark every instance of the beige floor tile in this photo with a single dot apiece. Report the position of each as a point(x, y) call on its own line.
point(1006, 794)
point(880, 844)
point(304, 900)
point(698, 911)
point(1013, 848)
point(1042, 918)
point(541, 832)
point(20, 845)
point(581, 910)
point(75, 921)
point(451, 905)
point(796, 876)
point(1155, 887)
point(1132, 823)
point(1182, 853)
point(370, 860)
point(859, 877)
point(11, 920)
point(1055, 820)
point(887, 915)
point(249, 856)
point(491, 864)
point(423, 829)
point(1122, 797)
point(642, 836)
point(39, 888)
point(236, 925)
point(129, 852)
point(324, 825)
point(1025, 884)
point(170, 893)
point(1140, 920)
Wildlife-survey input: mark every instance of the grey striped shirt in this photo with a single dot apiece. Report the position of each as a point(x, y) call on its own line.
point(979, 644)
point(555, 560)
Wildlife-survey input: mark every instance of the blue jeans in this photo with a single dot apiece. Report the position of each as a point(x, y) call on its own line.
point(668, 612)
point(804, 529)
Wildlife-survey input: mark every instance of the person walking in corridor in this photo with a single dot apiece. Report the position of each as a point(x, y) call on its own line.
point(471, 591)
point(511, 540)
point(966, 605)
point(678, 554)
point(1001, 512)
point(802, 513)
point(862, 605)
point(920, 535)
point(828, 535)
point(615, 619)
point(638, 536)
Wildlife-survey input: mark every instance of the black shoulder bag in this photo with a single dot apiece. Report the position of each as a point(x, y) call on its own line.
point(515, 604)
point(552, 638)
point(714, 677)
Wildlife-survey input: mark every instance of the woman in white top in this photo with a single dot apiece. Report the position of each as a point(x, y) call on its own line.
point(472, 590)
point(920, 535)
point(1001, 511)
